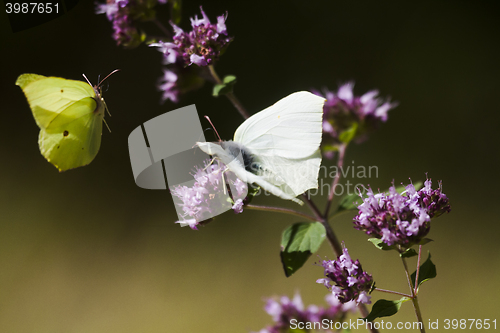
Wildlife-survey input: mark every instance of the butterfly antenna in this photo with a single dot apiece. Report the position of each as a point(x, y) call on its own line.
point(199, 137)
point(213, 127)
point(113, 72)
point(87, 79)
point(107, 87)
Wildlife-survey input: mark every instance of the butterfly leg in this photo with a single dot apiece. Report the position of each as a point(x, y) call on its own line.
point(224, 179)
point(105, 106)
point(105, 123)
point(209, 164)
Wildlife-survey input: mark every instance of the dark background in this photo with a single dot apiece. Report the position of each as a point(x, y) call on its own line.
point(88, 251)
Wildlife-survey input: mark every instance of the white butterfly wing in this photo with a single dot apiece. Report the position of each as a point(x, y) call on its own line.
point(235, 164)
point(292, 176)
point(290, 128)
point(285, 138)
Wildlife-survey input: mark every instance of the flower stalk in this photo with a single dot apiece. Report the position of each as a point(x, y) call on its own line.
point(230, 95)
point(413, 297)
point(281, 210)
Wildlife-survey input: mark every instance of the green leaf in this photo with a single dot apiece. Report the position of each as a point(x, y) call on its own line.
point(348, 202)
point(229, 79)
point(425, 241)
point(427, 272)
point(253, 190)
point(298, 242)
point(409, 253)
point(225, 87)
point(379, 244)
point(372, 288)
point(349, 134)
point(329, 147)
point(175, 7)
point(385, 308)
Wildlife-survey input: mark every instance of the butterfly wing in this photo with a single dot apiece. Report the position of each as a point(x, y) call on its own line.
point(73, 138)
point(235, 164)
point(291, 128)
point(292, 176)
point(69, 116)
point(286, 138)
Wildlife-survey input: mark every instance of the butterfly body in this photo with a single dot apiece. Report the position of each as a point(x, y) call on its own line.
point(277, 148)
point(69, 114)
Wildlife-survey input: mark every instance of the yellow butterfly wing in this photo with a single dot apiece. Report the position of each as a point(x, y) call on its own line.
point(69, 114)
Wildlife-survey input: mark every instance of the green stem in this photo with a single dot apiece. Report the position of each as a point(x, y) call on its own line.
point(334, 242)
point(330, 235)
point(281, 210)
point(332, 239)
point(414, 298)
point(331, 195)
point(231, 96)
point(392, 292)
point(162, 28)
point(408, 277)
point(312, 207)
point(418, 313)
point(415, 288)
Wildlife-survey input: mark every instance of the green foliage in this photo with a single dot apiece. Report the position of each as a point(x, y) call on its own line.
point(225, 87)
point(385, 308)
point(298, 242)
point(175, 14)
point(427, 271)
point(326, 147)
point(425, 241)
point(252, 192)
point(349, 134)
point(379, 244)
point(348, 202)
point(409, 253)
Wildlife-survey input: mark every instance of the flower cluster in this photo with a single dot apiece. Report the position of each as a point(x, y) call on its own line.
point(351, 283)
point(345, 112)
point(125, 14)
point(402, 219)
point(168, 84)
point(201, 46)
point(209, 194)
point(178, 80)
point(286, 310)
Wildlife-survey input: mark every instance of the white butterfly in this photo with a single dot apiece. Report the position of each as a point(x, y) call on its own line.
point(278, 147)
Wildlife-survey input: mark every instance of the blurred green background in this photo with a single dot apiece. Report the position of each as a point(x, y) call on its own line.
point(88, 251)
